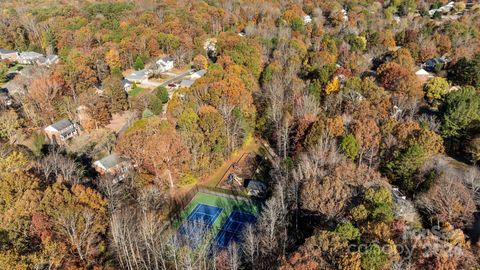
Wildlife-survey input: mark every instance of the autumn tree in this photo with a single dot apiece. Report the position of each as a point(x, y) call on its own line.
point(79, 216)
point(339, 194)
point(167, 160)
point(436, 88)
point(140, 143)
point(396, 78)
point(10, 124)
point(78, 72)
point(44, 96)
point(448, 201)
point(115, 94)
point(3, 72)
point(200, 62)
point(367, 134)
point(112, 57)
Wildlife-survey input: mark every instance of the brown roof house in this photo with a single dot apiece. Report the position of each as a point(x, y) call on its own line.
point(113, 165)
point(61, 131)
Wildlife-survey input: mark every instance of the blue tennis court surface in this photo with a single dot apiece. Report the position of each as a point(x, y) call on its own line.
point(233, 227)
point(199, 222)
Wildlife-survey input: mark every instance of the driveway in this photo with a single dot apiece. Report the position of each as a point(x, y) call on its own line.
point(178, 78)
point(153, 85)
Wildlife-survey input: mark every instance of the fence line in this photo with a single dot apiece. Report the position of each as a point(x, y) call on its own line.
point(179, 203)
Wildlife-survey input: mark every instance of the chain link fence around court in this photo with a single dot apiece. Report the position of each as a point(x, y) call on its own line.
point(181, 201)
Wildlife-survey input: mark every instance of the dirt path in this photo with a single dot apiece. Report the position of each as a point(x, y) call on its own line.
point(215, 177)
point(119, 120)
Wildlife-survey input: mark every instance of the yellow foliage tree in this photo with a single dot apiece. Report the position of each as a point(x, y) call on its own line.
point(200, 62)
point(112, 57)
point(332, 86)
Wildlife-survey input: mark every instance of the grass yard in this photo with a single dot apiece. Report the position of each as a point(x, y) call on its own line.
point(16, 68)
point(228, 205)
point(135, 91)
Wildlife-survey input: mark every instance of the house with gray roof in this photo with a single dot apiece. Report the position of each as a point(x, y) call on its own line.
point(127, 85)
point(59, 132)
point(198, 74)
point(186, 83)
point(113, 165)
point(10, 55)
point(139, 76)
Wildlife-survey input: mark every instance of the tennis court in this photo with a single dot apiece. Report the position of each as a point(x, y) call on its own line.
point(206, 215)
point(199, 222)
point(233, 227)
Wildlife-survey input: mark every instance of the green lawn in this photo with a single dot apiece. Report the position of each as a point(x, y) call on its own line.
point(16, 67)
point(135, 91)
point(228, 205)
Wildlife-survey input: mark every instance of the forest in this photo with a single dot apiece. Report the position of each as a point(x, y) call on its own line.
point(367, 113)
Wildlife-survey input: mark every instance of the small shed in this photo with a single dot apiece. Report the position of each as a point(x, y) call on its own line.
point(256, 188)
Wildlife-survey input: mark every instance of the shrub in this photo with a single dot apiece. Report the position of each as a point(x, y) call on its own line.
point(373, 258)
point(349, 146)
point(348, 232)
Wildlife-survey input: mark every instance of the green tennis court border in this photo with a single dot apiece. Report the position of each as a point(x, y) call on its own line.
point(228, 205)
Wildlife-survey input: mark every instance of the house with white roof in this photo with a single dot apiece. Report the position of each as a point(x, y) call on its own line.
point(48, 60)
point(307, 19)
point(29, 58)
point(59, 132)
point(165, 64)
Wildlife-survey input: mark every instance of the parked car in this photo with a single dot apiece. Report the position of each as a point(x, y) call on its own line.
point(172, 85)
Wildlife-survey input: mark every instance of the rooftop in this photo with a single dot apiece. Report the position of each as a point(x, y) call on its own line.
point(31, 55)
point(166, 59)
point(109, 161)
point(200, 73)
point(5, 51)
point(186, 83)
point(61, 125)
point(138, 75)
point(256, 185)
point(126, 82)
